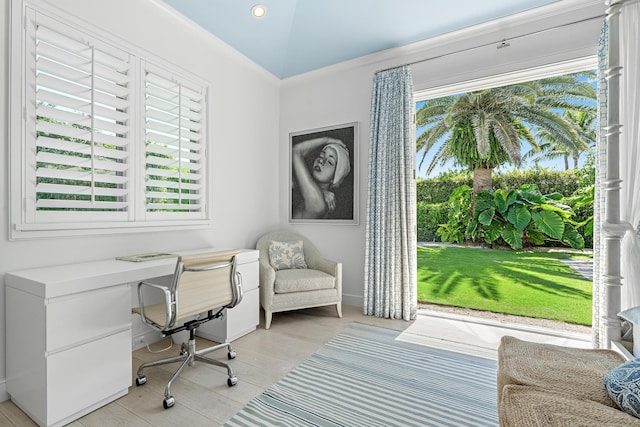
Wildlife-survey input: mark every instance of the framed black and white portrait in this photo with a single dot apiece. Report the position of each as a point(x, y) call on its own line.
point(323, 175)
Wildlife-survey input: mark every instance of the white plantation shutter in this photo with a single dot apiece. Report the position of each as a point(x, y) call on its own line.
point(81, 118)
point(107, 136)
point(175, 146)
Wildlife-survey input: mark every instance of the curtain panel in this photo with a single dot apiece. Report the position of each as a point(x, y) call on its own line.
point(630, 151)
point(599, 307)
point(390, 286)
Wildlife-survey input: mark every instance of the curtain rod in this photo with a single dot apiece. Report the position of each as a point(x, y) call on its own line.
point(500, 44)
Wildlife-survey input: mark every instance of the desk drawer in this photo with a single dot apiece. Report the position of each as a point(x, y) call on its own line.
point(86, 316)
point(236, 322)
point(249, 272)
point(84, 375)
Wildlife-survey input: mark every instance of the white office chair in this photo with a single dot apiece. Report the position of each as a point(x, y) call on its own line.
point(203, 286)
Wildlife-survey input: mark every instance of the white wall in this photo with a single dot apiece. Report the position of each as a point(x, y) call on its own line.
point(342, 93)
point(244, 123)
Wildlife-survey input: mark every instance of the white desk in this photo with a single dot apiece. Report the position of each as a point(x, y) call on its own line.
point(68, 334)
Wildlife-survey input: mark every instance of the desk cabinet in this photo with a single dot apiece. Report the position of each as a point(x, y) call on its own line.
point(244, 317)
point(63, 360)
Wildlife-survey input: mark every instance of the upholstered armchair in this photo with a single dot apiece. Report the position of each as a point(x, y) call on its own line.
point(293, 275)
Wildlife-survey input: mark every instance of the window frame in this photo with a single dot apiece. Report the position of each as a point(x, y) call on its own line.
point(24, 224)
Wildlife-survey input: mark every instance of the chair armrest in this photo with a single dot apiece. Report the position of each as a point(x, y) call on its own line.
point(267, 275)
point(326, 265)
point(169, 303)
point(267, 283)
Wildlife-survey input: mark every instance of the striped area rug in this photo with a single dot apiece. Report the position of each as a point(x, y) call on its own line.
point(365, 377)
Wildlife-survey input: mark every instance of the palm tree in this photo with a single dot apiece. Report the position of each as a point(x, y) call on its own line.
point(550, 149)
point(484, 129)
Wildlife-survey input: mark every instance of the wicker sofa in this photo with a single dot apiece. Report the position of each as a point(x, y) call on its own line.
point(549, 385)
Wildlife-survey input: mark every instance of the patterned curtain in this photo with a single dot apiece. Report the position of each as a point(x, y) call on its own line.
point(599, 293)
point(390, 288)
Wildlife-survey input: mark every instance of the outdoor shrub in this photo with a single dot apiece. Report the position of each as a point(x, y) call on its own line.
point(458, 216)
point(429, 217)
point(573, 184)
point(516, 218)
point(582, 205)
point(523, 217)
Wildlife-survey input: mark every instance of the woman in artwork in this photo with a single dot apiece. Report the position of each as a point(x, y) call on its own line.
point(318, 181)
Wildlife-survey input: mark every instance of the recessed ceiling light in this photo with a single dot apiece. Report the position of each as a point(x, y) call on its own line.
point(258, 11)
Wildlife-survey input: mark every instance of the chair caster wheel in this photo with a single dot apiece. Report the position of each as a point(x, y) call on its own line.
point(168, 402)
point(231, 381)
point(142, 380)
point(231, 355)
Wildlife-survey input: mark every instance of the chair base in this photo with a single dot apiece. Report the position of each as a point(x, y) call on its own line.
point(188, 356)
point(268, 315)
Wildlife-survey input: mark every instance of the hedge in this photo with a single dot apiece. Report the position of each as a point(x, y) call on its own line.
point(429, 218)
point(438, 189)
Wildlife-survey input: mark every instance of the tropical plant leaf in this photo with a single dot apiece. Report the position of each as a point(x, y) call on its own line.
point(532, 198)
point(484, 200)
point(588, 227)
point(535, 237)
point(486, 216)
point(471, 228)
point(493, 233)
point(554, 196)
point(512, 198)
point(529, 188)
point(483, 205)
point(549, 223)
point(520, 217)
point(562, 210)
point(513, 237)
point(503, 199)
point(460, 192)
point(572, 237)
point(449, 234)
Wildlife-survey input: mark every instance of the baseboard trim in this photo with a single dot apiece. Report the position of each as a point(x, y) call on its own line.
point(354, 300)
point(3, 391)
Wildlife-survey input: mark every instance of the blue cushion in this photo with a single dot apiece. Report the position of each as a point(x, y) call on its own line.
point(623, 386)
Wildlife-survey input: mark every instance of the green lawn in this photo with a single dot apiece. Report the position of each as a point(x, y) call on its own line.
point(532, 284)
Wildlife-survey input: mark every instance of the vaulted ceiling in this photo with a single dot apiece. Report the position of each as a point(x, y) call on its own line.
point(297, 36)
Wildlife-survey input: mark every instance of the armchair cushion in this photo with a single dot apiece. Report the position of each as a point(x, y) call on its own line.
point(286, 255)
point(302, 280)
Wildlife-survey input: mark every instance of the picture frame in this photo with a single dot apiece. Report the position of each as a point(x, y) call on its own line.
point(323, 175)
